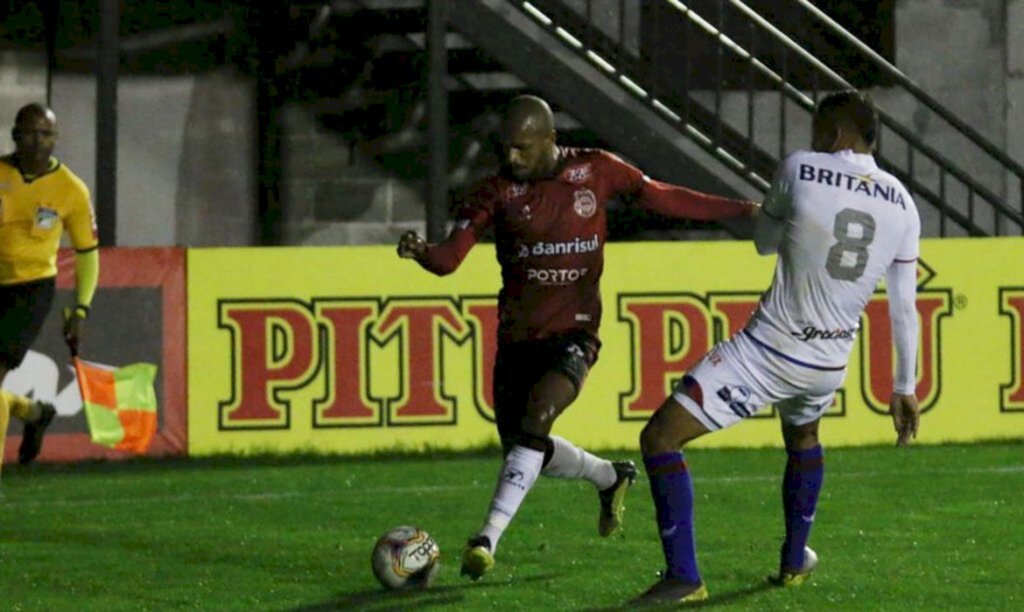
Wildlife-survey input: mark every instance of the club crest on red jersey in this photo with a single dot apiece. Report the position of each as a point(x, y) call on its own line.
point(516, 190)
point(577, 174)
point(585, 203)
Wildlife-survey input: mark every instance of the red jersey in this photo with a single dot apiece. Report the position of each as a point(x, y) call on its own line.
point(550, 235)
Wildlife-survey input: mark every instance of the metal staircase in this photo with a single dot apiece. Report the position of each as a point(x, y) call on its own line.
point(723, 132)
point(736, 128)
point(378, 99)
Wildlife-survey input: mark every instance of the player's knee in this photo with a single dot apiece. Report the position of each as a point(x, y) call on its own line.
point(805, 440)
point(537, 443)
point(801, 437)
point(538, 420)
point(654, 439)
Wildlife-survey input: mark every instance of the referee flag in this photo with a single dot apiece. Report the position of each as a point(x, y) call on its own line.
point(120, 404)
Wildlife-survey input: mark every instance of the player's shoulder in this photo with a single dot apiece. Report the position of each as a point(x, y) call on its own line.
point(70, 181)
point(596, 158)
point(580, 164)
point(7, 165)
point(794, 160)
point(486, 188)
point(572, 155)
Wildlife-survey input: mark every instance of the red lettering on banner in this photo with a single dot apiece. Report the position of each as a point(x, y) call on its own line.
point(273, 350)
point(877, 350)
point(668, 335)
point(483, 317)
point(1011, 304)
point(347, 402)
point(422, 325)
point(734, 310)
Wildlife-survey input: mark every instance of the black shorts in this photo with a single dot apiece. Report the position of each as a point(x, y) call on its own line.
point(23, 308)
point(518, 366)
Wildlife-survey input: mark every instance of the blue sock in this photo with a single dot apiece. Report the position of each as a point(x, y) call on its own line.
point(805, 471)
point(672, 491)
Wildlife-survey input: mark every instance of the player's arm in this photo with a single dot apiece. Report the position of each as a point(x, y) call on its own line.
point(87, 275)
point(901, 286)
point(770, 225)
point(81, 226)
point(445, 257)
point(442, 258)
point(673, 200)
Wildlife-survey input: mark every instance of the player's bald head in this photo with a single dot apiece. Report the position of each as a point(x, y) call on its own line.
point(528, 139)
point(528, 115)
point(32, 112)
point(34, 135)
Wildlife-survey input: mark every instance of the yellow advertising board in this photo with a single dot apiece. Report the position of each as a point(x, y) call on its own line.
point(351, 349)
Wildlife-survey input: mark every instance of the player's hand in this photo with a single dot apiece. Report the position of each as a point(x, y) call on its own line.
point(411, 245)
point(905, 417)
point(74, 324)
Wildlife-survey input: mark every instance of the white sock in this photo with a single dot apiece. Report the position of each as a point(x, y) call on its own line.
point(571, 461)
point(518, 473)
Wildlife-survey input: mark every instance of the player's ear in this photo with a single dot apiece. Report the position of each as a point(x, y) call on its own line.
point(839, 134)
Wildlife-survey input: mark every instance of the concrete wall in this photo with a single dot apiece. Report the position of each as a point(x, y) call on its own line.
point(22, 80)
point(185, 149)
point(1015, 91)
point(956, 51)
point(334, 194)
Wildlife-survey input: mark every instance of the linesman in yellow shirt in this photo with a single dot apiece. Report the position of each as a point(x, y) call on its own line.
point(39, 199)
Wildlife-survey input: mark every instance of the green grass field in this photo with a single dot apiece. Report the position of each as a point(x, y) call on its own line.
point(924, 529)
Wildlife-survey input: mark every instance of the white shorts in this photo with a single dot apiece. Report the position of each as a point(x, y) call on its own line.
point(742, 375)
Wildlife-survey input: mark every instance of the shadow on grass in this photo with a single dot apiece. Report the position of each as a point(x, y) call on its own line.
point(716, 600)
point(268, 458)
point(254, 460)
point(380, 600)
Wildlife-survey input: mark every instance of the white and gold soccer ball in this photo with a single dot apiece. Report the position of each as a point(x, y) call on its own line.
point(406, 558)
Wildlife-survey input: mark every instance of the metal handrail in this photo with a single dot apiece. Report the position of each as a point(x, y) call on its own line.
point(789, 91)
point(697, 133)
point(885, 119)
point(806, 102)
point(908, 84)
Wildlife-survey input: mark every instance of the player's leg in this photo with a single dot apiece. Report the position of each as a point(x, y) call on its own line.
point(612, 479)
point(726, 386)
point(517, 368)
point(574, 358)
point(523, 463)
point(801, 486)
point(22, 407)
point(805, 465)
point(9, 341)
point(661, 442)
point(37, 416)
point(23, 310)
point(4, 419)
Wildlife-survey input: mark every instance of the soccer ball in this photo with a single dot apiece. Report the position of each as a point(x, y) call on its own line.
point(406, 558)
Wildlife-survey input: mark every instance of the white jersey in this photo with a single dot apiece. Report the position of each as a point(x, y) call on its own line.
point(846, 223)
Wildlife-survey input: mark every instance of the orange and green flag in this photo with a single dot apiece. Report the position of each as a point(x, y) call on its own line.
point(120, 404)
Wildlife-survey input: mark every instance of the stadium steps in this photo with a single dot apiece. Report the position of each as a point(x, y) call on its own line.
point(715, 135)
point(383, 108)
